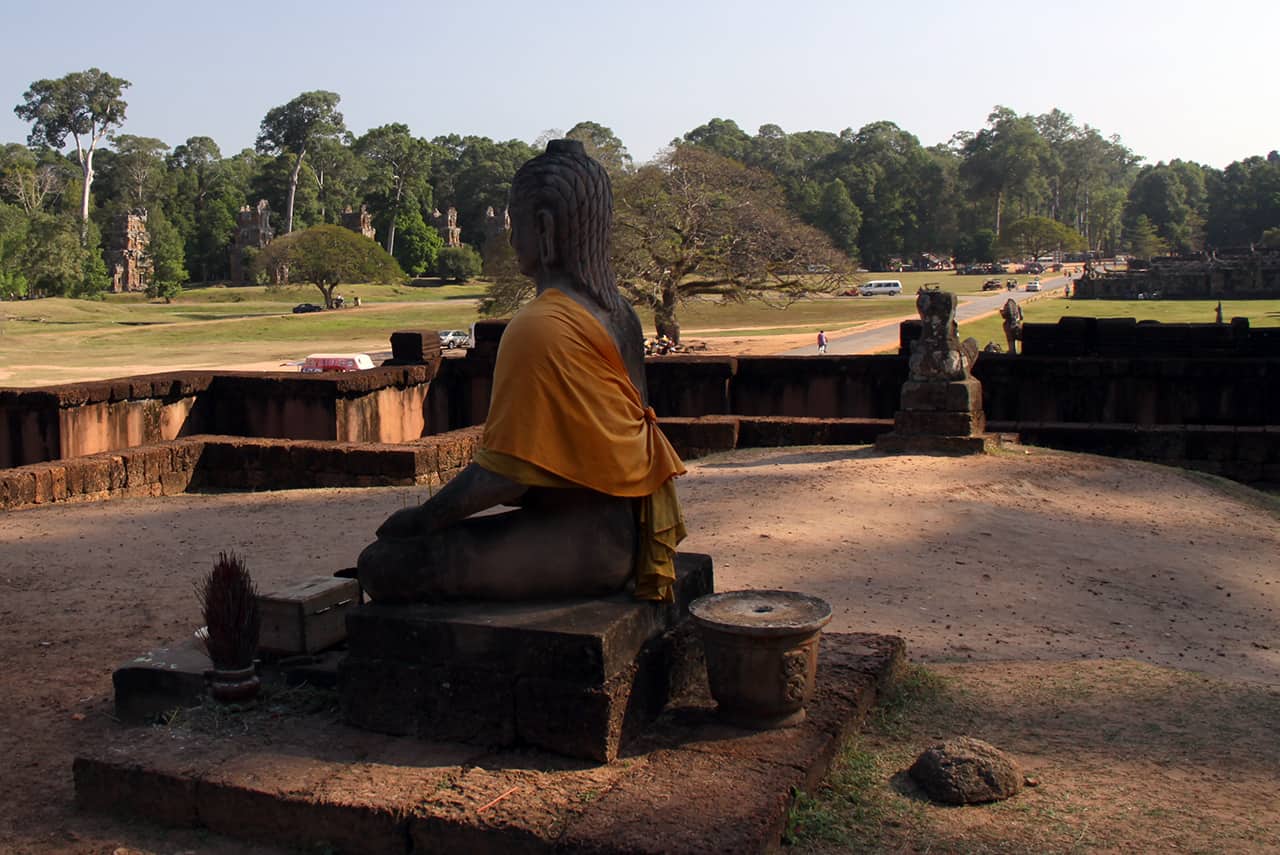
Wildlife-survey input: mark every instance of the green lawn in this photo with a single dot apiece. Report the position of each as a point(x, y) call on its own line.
point(60, 340)
point(1261, 313)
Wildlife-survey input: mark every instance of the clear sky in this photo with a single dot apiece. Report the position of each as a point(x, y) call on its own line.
point(1172, 78)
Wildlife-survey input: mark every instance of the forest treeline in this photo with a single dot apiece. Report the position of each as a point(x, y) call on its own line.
point(876, 193)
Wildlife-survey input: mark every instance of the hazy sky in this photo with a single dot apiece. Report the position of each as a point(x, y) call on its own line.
point(1173, 79)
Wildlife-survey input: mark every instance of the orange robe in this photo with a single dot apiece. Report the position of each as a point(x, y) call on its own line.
point(564, 412)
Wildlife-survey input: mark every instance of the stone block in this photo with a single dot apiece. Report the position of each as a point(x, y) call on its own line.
point(21, 486)
point(152, 783)
point(954, 396)
point(923, 443)
point(571, 676)
point(409, 347)
point(160, 680)
point(697, 437)
point(939, 423)
point(305, 783)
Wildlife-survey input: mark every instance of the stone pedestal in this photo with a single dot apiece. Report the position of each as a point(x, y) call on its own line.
point(939, 416)
point(576, 677)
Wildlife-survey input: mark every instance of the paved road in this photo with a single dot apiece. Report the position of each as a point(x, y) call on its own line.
point(884, 336)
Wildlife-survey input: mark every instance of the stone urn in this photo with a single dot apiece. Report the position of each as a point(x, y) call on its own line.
point(232, 685)
point(762, 653)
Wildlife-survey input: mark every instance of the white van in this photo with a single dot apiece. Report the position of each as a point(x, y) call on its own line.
point(880, 286)
point(320, 363)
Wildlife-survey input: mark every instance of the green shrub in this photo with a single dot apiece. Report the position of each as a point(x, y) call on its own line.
point(458, 263)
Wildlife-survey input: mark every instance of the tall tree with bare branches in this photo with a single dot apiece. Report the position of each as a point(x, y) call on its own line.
point(84, 105)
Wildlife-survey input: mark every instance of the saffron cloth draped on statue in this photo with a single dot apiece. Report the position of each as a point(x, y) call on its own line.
point(564, 412)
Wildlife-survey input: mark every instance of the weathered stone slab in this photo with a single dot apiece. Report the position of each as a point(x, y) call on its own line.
point(692, 785)
point(955, 395)
point(161, 680)
point(576, 677)
point(939, 423)
point(896, 443)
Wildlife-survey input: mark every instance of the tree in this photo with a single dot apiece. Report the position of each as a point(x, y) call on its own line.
point(419, 244)
point(1036, 236)
point(13, 240)
point(139, 163)
point(840, 218)
point(398, 165)
point(1003, 159)
point(722, 136)
point(508, 288)
point(1144, 241)
point(1244, 201)
point(28, 182)
point(294, 129)
point(979, 247)
point(205, 201)
point(83, 104)
point(328, 256)
point(602, 144)
point(1172, 197)
point(458, 263)
point(472, 174)
point(698, 224)
point(168, 268)
point(54, 255)
point(337, 174)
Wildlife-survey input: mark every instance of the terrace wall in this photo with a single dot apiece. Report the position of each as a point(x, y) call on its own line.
point(387, 405)
point(1112, 386)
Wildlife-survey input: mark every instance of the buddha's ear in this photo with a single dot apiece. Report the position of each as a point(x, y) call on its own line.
point(546, 225)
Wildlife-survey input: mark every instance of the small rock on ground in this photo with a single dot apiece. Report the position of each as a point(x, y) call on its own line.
point(965, 771)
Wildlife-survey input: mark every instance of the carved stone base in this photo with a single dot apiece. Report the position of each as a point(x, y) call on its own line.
point(896, 443)
point(575, 677)
point(950, 396)
point(939, 422)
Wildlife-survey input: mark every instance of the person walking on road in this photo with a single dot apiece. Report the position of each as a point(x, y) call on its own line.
point(822, 341)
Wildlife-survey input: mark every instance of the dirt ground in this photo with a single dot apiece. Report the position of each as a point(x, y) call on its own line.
point(1021, 557)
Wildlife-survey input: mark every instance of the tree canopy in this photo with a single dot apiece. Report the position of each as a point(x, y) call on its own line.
point(84, 105)
point(1036, 236)
point(296, 127)
point(328, 256)
point(695, 223)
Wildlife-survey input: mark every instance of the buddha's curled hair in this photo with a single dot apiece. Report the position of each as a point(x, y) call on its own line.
point(574, 189)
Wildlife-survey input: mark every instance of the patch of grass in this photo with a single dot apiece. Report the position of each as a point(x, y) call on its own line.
point(852, 804)
point(1148, 759)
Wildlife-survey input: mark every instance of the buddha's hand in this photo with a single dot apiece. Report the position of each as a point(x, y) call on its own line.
point(406, 522)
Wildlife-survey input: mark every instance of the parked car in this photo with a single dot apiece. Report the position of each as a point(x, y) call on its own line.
point(880, 286)
point(851, 291)
point(305, 308)
point(1033, 285)
point(454, 338)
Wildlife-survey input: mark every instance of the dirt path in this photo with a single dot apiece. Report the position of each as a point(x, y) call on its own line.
point(1037, 556)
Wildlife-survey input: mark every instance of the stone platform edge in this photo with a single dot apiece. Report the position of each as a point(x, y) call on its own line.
point(689, 784)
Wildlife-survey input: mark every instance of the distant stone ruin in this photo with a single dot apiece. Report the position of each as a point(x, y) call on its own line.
point(360, 222)
point(447, 225)
point(253, 231)
point(1234, 274)
point(495, 225)
point(130, 252)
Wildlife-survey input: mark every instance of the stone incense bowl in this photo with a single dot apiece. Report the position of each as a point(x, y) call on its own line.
point(762, 653)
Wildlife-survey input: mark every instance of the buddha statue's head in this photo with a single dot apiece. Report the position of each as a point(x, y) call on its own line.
point(561, 216)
